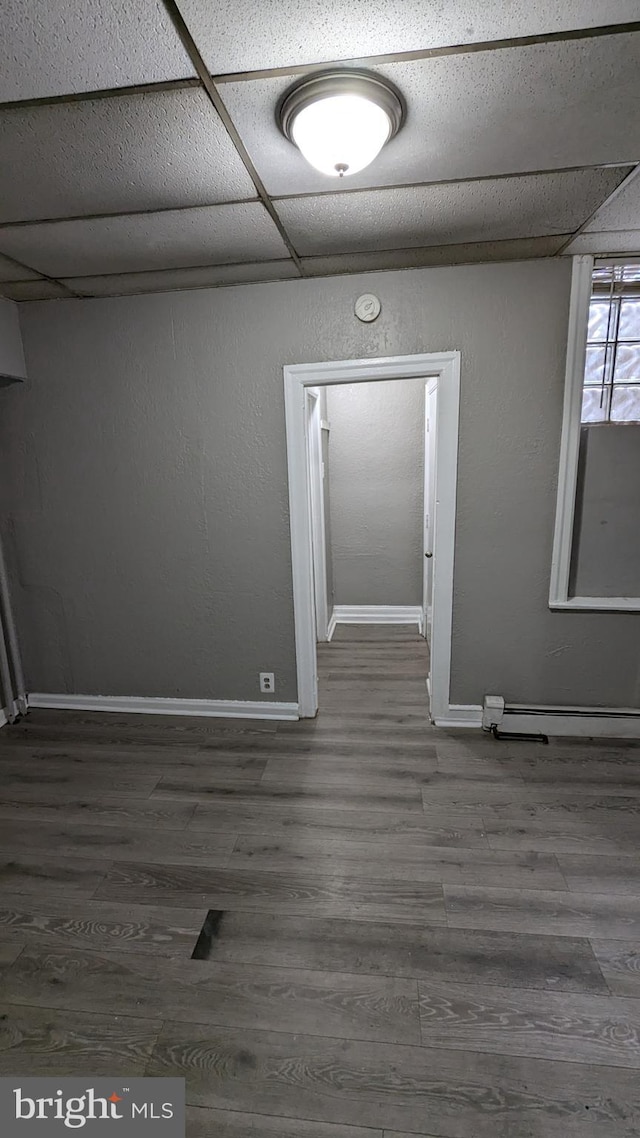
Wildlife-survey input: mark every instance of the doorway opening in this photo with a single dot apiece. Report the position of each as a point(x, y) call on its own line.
point(367, 447)
point(440, 374)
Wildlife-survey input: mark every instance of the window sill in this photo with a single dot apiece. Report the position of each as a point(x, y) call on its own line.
point(598, 604)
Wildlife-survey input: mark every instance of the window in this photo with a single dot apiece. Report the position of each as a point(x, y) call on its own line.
point(604, 318)
point(611, 392)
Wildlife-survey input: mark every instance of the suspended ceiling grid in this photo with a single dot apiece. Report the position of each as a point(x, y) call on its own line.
point(139, 149)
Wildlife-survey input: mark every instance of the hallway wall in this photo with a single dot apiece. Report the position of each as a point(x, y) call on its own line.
point(376, 447)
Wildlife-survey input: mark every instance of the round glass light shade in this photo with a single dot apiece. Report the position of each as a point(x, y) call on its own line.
point(341, 134)
point(340, 120)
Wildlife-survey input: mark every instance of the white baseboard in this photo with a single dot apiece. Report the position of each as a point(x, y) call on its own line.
point(377, 614)
point(460, 715)
point(217, 708)
point(332, 625)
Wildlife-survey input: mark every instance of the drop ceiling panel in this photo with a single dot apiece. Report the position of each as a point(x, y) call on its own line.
point(492, 210)
point(466, 253)
point(56, 48)
point(126, 284)
point(541, 107)
point(35, 290)
point(621, 241)
point(240, 35)
point(121, 154)
point(621, 213)
point(174, 239)
point(9, 271)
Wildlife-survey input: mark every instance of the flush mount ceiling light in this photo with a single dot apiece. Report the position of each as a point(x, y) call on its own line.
point(340, 120)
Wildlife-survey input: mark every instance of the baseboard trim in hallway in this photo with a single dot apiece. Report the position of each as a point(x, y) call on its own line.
point(376, 614)
point(220, 708)
point(460, 715)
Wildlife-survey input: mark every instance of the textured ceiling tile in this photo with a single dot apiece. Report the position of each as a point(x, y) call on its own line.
point(178, 238)
point(516, 250)
point(34, 290)
point(126, 153)
point(242, 35)
point(540, 107)
point(9, 271)
point(621, 213)
point(622, 241)
point(126, 284)
point(65, 46)
point(492, 210)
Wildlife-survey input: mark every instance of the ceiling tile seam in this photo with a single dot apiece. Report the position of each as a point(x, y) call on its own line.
point(317, 276)
point(402, 249)
point(611, 232)
point(172, 269)
point(450, 181)
point(437, 245)
point(42, 276)
point(24, 224)
point(398, 268)
point(176, 288)
point(202, 71)
point(442, 245)
point(610, 197)
point(542, 38)
point(29, 222)
point(279, 261)
point(160, 88)
point(220, 78)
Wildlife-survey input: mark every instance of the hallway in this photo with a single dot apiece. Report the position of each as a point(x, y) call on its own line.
point(349, 927)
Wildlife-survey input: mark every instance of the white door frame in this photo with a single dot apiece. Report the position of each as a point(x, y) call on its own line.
point(297, 377)
point(316, 506)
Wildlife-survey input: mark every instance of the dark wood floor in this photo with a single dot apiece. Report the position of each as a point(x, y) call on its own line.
point(405, 931)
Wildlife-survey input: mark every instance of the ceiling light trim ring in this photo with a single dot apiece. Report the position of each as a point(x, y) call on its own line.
point(326, 84)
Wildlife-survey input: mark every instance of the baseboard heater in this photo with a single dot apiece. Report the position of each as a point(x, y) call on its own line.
point(520, 721)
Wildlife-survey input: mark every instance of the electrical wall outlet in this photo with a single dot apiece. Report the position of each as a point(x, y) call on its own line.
point(267, 682)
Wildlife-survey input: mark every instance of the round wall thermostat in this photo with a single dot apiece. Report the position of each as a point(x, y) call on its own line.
point(367, 307)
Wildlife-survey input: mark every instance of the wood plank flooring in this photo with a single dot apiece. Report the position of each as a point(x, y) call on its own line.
point(400, 931)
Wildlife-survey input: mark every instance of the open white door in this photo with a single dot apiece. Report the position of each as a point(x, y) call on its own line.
point(430, 456)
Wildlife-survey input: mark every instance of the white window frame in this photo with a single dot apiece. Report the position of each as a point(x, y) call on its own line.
point(559, 598)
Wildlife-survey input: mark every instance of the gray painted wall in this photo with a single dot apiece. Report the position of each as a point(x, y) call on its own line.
point(607, 541)
point(143, 483)
point(376, 487)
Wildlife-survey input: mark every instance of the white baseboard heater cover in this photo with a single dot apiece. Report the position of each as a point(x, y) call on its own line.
point(598, 722)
